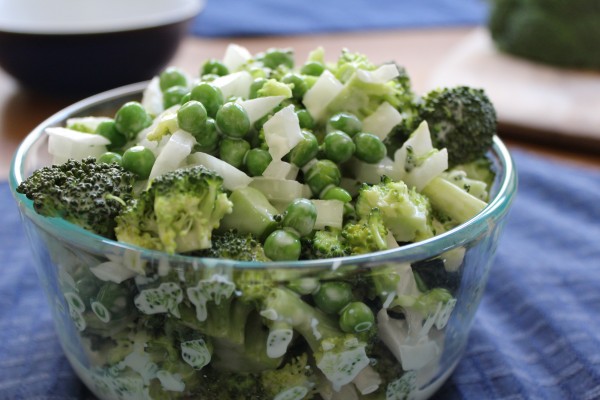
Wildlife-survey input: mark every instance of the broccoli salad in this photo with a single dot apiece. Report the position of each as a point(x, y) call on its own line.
point(256, 159)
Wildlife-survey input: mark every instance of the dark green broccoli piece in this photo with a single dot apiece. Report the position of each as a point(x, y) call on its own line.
point(556, 32)
point(232, 245)
point(177, 213)
point(461, 119)
point(85, 193)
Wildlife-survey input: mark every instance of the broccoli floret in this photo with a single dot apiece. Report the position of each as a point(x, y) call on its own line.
point(232, 245)
point(85, 193)
point(325, 243)
point(295, 380)
point(565, 34)
point(405, 212)
point(462, 120)
point(366, 235)
point(361, 95)
point(177, 213)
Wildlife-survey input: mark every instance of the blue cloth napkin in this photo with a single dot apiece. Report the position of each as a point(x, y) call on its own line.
point(285, 17)
point(536, 334)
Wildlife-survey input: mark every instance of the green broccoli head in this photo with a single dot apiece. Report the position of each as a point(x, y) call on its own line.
point(326, 243)
point(86, 193)
point(232, 245)
point(555, 32)
point(460, 119)
point(405, 212)
point(177, 213)
point(366, 235)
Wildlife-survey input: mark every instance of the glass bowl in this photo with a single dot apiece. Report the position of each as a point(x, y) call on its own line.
point(136, 323)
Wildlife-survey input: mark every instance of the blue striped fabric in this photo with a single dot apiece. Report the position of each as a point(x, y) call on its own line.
point(285, 17)
point(535, 336)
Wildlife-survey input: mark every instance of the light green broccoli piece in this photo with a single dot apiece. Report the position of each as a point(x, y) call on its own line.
point(177, 213)
point(405, 212)
point(366, 235)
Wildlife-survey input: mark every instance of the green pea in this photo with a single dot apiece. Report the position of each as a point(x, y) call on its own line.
point(207, 140)
point(109, 130)
point(356, 317)
point(338, 146)
point(256, 85)
point(299, 85)
point(215, 67)
point(186, 97)
point(305, 150)
point(345, 122)
point(306, 120)
point(336, 193)
point(172, 76)
point(300, 215)
point(109, 158)
point(369, 148)
point(312, 68)
point(322, 174)
point(256, 161)
point(139, 160)
point(191, 117)
point(233, 151)
point(209, 95)
point(282, 245)
point(232, 120)
point(332, 297)
point(131, 118)
point(174, 95)
point(273, 58)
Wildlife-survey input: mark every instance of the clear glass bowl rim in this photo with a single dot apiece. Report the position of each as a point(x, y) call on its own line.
point(504, 194)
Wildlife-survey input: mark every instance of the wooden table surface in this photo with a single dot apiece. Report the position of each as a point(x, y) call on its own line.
point(419, 51)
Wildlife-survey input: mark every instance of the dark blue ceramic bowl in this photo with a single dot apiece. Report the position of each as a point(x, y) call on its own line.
point(67, 47)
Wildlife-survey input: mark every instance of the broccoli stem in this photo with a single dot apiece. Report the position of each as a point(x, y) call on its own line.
point(284, 305)
point(452, 200)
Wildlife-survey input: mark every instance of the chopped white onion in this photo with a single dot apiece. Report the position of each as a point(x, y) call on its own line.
point(90, 123)
point(112, 271)
point(383, 74)
point(372, 173)
point(278, 190)
point(329, 213)
point(259, 107)
point(64, 144)
point(171, 157)
point(235, 56)
point(382, 121)
point(152, 97)
point(233, 178)
point(317, 98)
point(281, 170)
point(235, 84)
point(434, 165)
point(282, 132)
